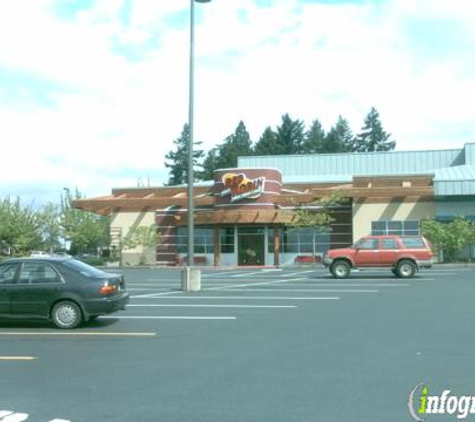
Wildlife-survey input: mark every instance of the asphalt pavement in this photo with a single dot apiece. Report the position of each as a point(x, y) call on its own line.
point(253, 345)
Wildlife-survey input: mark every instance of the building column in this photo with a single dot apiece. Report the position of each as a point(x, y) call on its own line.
point(216, 246)
point(276, 245)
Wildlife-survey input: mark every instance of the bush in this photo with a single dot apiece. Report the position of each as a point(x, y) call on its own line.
point(92, 260)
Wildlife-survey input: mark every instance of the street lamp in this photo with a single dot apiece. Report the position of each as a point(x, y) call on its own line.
point(190, 194)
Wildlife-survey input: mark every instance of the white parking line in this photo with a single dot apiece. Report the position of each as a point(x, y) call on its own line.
point(224, 273)
point(214, 306)
point(358, 279)
point(173, 292)
point(145, 289)
point(246, 274)
point(177, 282)
point(314, 284)
point(8, 416)
point(17, 358)
point(75, 333)
point(254, 283)
point(303, 290)
point(296, 273)
point(239, 297)
point(173, 317)
point(157, 280)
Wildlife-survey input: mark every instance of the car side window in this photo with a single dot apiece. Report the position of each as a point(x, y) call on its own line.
point(389, 244)
point(413, 242)
point(369, 244)
point(38, 272)
point(7, 273)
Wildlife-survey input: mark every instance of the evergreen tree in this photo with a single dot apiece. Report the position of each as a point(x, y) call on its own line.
point(210, 164)
point(267, 144)
point(314, 139)
point(372, 136)
point(340, 138)
point(179, 159)
point(289, 136)
point(235, 145)
point(226, 155)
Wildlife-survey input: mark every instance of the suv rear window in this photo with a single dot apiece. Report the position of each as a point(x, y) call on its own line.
point(413, 242)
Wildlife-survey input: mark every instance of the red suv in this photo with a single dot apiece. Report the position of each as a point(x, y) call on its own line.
point(403, 254)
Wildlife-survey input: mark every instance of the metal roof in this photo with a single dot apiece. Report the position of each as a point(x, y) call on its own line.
point(453, 169)
point(470, 154)
point(326, 178)
point(465, 172)
point(358, 164)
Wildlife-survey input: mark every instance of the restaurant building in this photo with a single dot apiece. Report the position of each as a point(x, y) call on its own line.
point(246, 215)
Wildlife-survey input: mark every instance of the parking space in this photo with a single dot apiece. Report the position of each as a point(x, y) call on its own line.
point(258, 344)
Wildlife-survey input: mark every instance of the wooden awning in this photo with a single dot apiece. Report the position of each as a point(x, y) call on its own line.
point(150, 199)
point(240, 217)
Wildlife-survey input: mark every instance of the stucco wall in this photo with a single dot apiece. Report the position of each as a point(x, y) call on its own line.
point(124, 221)
point(365, 213)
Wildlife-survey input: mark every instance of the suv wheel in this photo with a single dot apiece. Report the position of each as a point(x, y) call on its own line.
point(340, 269)
point(405, 269)
point(66, 315)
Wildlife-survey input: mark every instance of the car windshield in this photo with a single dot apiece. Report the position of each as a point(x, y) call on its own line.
point(83, 268)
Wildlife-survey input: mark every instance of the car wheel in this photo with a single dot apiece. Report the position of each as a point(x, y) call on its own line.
point(406, 269)
point(340, 269)
point(66, 315)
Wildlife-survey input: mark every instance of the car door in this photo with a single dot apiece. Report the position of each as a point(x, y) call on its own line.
point(38, 285)
point(367, 254)
point(389, 251)
point(8, 273)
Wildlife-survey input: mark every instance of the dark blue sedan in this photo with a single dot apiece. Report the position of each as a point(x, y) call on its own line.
point(61, 289)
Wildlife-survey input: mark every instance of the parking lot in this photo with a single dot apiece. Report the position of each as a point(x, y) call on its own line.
point(287, 344)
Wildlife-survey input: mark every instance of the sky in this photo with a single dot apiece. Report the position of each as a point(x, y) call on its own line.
point(94, 92)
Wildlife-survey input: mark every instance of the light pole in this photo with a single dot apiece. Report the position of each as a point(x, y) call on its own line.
point(190, 194)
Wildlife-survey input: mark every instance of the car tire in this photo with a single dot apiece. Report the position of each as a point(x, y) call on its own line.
point(66, 315)
point(406, 269)
point(340, 269)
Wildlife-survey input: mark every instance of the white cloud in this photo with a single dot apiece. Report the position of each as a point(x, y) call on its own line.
point(122, 93)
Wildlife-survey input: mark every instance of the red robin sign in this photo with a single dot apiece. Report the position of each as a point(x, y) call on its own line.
point(238, 186)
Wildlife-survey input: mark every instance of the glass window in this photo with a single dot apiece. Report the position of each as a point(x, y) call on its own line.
point(411, 225)
point(203, 239)
point(406, 227)
point(367, 244)
point(389, 244)
point(226, 239)
point(250, 230)
point(395, 227)
point(413, 242)
point(306, 247)
point(7, 273)
point(82, 267)
point(294, 240)
point(378, 226)
point(291, 247)
point(38, 272)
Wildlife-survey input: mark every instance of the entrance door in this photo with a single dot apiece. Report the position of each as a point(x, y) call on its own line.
point(251, 246)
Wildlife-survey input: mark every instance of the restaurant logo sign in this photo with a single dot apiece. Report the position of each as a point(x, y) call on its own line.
point(239, 186)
